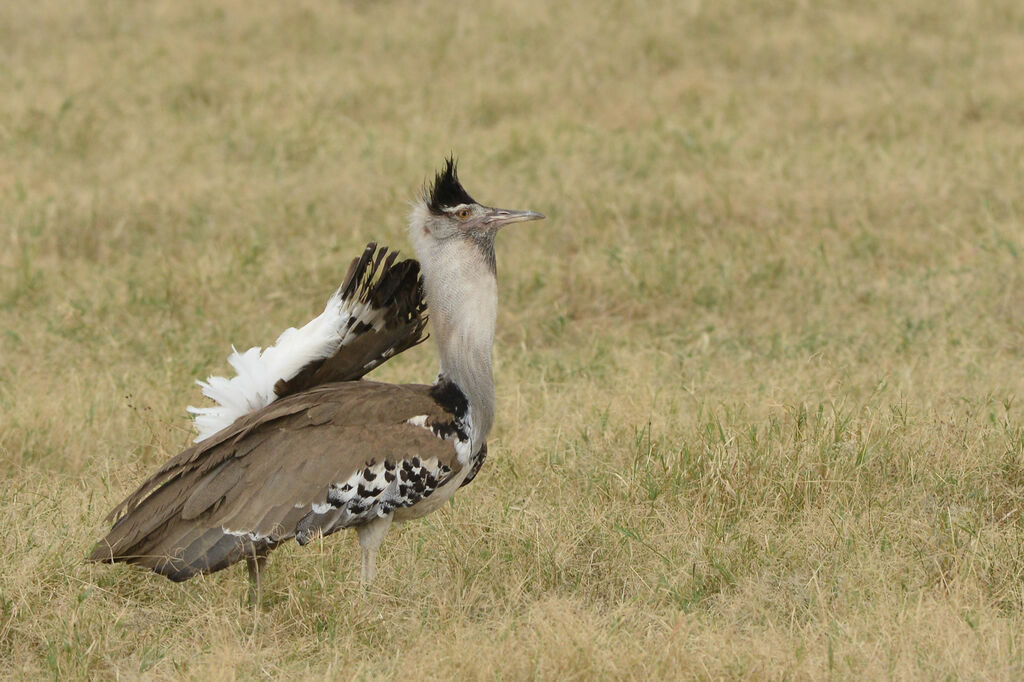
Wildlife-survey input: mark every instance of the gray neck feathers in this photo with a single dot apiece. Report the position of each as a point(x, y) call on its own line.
point(462, 301)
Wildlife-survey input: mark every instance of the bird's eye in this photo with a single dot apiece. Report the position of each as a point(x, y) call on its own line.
point(462, 213)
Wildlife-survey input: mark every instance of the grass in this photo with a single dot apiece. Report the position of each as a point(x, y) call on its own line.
point(758, 373)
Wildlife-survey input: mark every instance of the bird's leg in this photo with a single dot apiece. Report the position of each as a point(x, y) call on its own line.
point(255, 563)
point(369, 569)
point(370, 537)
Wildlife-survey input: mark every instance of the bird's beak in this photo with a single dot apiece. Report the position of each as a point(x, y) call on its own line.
point(499, 217)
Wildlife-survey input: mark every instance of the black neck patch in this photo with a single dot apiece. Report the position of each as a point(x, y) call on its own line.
point(447, 191)
point(448, 395)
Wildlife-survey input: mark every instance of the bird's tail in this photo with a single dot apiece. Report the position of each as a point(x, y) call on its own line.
point(375, 314)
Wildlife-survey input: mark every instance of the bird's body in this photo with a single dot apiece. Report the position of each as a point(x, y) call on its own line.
point(313, 462)
point(326, 451)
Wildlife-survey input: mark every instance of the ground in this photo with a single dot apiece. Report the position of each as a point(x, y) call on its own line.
point(759, 374)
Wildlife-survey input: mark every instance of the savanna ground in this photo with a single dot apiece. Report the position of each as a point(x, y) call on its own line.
point(760, 374)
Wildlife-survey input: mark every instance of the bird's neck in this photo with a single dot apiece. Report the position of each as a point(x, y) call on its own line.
point(462, 299)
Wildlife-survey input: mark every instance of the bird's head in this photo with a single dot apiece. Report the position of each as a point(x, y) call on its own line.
point(445, 214)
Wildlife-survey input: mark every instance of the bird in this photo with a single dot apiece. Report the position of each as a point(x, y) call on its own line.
point(301, 446)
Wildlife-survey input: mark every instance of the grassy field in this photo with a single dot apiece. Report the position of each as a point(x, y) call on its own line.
point(760, 374)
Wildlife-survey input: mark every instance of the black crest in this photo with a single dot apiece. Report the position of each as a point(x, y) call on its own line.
point(447, 191)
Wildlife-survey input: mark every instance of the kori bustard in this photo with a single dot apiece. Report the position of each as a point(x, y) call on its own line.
point(299, 446)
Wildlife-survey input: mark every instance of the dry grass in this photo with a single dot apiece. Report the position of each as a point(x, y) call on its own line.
point(757, 374)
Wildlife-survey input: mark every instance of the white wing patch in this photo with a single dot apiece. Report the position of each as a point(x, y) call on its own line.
point(420, 421)
point(249, 535)
point(258, 370)
point(463, 446)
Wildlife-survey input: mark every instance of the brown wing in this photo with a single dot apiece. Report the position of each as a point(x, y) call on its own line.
point(393, 321)
point(336, 456)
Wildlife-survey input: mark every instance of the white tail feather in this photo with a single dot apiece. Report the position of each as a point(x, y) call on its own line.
point(258, 370)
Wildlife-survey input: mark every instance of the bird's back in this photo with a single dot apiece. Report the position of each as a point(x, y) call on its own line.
point(335, 456)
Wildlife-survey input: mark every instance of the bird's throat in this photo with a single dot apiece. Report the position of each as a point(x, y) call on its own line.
point(462, 301)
